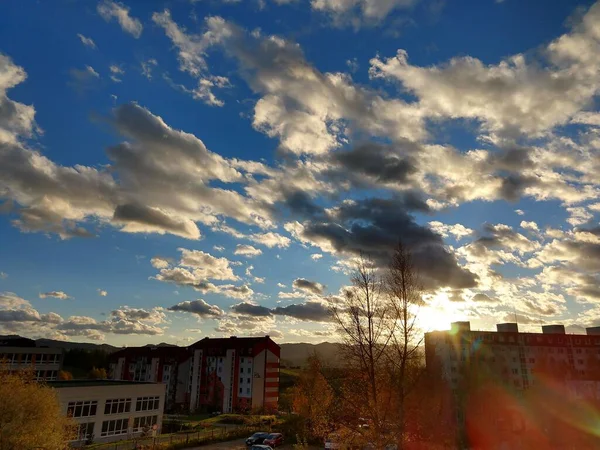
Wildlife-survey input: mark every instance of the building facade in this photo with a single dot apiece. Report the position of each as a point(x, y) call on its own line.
point(167, 365)
point(229, 374)
point(508, 389)
point(235, 374)
point(516, 358)
point(22, 354)
point(107, 410)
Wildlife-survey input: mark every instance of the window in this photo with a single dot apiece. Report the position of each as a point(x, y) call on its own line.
point(146, 403)
point(114, 427)
point(241, 381)
point(515, 371)
point(249, 369)
point(117, 406)
point(580, 361)
point(241, 370)
point(242, 360)
point(82, 409)
point(248, 380)
point(240, 390)
point(142, 422)
point(578, 351)
point(531, 360)
point(85, 431)
point(247, 390)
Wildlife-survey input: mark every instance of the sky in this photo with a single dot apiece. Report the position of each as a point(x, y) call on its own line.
point(189, 168)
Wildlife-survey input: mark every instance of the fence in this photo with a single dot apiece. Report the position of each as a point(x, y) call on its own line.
point(164, 441)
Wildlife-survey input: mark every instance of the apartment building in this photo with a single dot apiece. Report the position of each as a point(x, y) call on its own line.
point(19, 353)
point(167, 365)
point(108, 410)
point(517, 359)
point(509, 389)
point(229, 374)
point(235, 374)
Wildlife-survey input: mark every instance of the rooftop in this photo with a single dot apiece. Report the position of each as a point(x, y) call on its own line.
point(90, 383)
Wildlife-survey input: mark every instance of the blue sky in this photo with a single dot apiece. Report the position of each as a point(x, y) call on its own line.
point(173, 170)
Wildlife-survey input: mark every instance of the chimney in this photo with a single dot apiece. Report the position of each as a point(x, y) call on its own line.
point(507, 328)
point(553, 329)
point(456, 327)
point(593, 331)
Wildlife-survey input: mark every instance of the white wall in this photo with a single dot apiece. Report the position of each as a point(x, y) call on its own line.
point(102, 393)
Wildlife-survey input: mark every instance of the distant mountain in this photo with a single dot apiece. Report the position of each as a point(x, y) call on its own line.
point(162, 344)
point(70, 345)
point(293, 355)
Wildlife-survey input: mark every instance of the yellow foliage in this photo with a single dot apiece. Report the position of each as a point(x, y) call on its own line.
point(30, 415)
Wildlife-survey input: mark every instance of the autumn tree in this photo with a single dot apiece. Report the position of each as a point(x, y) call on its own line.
point(97, 374)
point(30, 415)
point(65, 375)
point(312, 398)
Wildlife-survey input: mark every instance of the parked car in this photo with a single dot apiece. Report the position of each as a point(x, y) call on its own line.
point(331, 442)
point(257, 438)
point(260, 447)
point(274, 440)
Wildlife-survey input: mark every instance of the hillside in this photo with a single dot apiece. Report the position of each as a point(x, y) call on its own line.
point(78, 345)
point(294, 355)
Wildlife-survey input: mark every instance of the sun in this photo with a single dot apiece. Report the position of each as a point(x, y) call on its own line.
point(438, 313)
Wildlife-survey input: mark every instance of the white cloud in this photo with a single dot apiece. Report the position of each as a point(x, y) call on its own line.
point(457, 230)
point(520, 212)
point(55, 294)
point(109, 10)
point(356, 11)
point(147, 67)
point(270, 239)
point(3, 275)
point(207, 266)
point(281, 285)
point(529, 225)
point(88, 42)
point(160, 263)
point(247, 251)
point(316, 256)
point(102, 292)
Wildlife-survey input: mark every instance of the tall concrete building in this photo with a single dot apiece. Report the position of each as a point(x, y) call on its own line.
point(515, 357)
point(229, 374)
point(235, 374)
point(167, 365)
point(19, 353)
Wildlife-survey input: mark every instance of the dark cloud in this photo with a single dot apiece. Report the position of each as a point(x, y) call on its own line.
point(308, 286)
point(377, 162)
point(513, 186)
point(374, 226)
point(513, 159)
point(482, 298)
point(309, 311)
point(146, 219)
point(249, 309)
point(198, 307)
point(19, 315)
point(299, 202)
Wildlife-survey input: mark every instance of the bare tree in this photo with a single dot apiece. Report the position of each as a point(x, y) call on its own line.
point(404, 292)
point(377, 323)
point(362, 317)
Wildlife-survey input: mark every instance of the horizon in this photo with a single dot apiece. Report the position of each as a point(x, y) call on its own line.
point(171, 170)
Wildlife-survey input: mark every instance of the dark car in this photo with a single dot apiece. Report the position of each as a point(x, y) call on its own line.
point(274, 440)
point(260, 447)
point(257, 438)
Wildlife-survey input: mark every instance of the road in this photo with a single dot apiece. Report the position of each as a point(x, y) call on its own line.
point(239, 444)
